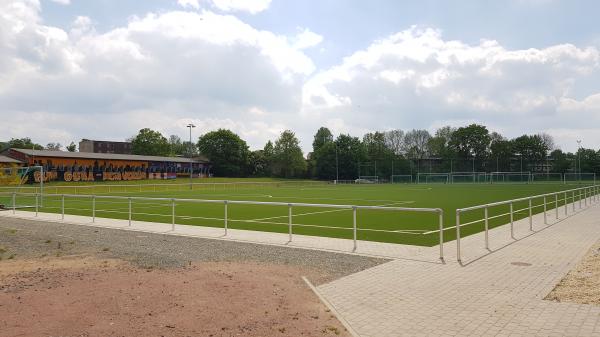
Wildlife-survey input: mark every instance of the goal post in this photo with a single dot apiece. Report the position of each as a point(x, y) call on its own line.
point(20, 186)
point(510, 177)
point(580, 177)
point(367, 180)
point(547, 177)
point(468, 177)
point(430, 178)
point(401, 179)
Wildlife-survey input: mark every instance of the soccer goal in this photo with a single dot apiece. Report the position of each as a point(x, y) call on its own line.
point(430, 178)
point(547, 177)
point(401, 179)
point(367, 180)
point(20, 186)
point(580, 177)
point(467, 177)
point(510, 177)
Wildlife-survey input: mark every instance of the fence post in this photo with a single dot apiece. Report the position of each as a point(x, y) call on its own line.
point(556, 204)
point(14, 202)
point(573, 192)
point(545, 209)
point(441, 223)
point(62, 207)
point(458, 257)
point(225, 202)
point(129, 212)
point(487, 238)
point(512, 222)
point(580, 197)
point(530, 216)
point(93, 208)
point(290, 222)
point(36, 204)
point(172, 214)
point(354, 226)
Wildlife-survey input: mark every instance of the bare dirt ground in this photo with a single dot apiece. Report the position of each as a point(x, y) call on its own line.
point(64, 280)
point(582, 283)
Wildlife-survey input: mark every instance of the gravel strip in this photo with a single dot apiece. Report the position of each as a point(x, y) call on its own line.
point(25, 239)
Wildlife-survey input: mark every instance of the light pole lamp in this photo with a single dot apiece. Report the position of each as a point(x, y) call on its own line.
point(191, 126)
point(578, 159)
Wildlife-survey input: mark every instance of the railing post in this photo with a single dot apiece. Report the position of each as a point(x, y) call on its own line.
point(172, 214)
point(487, 228)
point(556, 204)
point(62, 207)
point(545, 210)
point(225, 224)
point(441, 224)
point(129, 200)
point(14, 202)
point(36, 205)
point(580, 197)
point(573, 192)
point(566, 203)
point(512, 222)
point(290, 223)
point(458, 257)
point(530, 216)
point(354, 226)
point(93, 208)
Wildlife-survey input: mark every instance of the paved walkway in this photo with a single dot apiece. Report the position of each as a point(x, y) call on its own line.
point(493, 296)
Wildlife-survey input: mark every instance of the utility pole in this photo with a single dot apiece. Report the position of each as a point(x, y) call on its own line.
point(578, 159)
point(191, 126)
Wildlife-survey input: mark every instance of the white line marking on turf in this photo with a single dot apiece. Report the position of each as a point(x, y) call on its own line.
point(328, 211)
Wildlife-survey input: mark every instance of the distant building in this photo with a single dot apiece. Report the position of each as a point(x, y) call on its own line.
point(102, 146)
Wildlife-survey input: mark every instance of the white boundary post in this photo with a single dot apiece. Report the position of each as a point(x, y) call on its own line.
point(290, 223)
point(129, 203)
point(172, 214)
point(93, 208)
point(545, 210)
point(530, 216)
point(487, 236)
point(458, 257)
point(573, 192)
point(225, 220)
point(556, 204)
point(36, 205)
point(512, 222)
point(354, 226)
point(62, 207)
point(441, 224)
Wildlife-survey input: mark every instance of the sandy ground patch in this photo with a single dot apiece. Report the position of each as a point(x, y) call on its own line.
point(582, 283)
point(89, 296)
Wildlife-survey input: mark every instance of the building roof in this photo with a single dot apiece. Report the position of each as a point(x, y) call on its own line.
point(107, 156)
point(5, 159)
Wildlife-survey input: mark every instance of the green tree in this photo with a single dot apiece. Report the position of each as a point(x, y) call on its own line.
point(560, 161)
point(227, 152)
point(151, 143)
point(289, 160)
point(322, 137)
point(351, 152)
point(471, 141)
point(321, 162)
point(23, 143)
point(53, 146)
point(531, 149)
point(72, 147)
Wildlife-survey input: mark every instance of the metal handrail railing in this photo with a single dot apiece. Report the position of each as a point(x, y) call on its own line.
point(226, 203)
point(583, 193)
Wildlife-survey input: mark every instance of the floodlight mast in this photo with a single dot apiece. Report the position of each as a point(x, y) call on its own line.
point(578, 159)
point(191, 126)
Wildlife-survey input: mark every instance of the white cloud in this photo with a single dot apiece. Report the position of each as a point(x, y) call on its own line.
point(189, 4)
point(62, 2)
point(416, 79)
point(250, 6)
point(307, 39)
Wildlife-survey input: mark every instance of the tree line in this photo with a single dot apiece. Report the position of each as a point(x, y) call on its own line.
point(471, 148)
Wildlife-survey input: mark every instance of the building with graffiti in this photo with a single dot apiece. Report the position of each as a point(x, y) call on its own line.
point(88, 166)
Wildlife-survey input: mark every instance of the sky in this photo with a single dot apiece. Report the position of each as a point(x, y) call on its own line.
point(104, 69)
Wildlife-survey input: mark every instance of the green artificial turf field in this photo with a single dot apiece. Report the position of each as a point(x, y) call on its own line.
point(374, 225)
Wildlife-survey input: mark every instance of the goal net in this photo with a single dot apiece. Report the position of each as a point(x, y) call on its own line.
point(580, 177)
point(468, 177)
point(547, 177)
point(19, 186)
point(367, 180)
point(429, 178)
point(510, 177)
point(401, 179)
